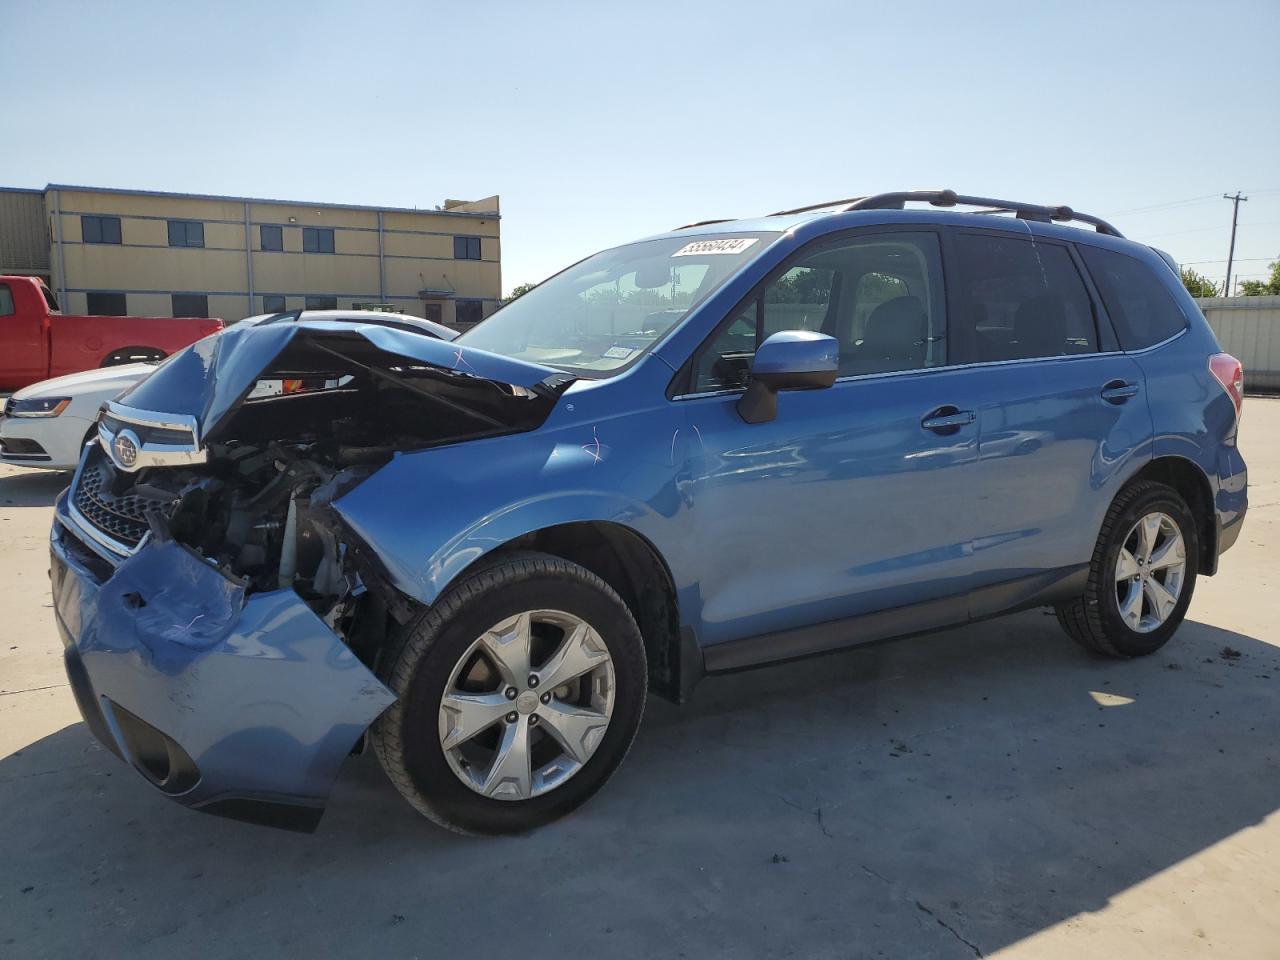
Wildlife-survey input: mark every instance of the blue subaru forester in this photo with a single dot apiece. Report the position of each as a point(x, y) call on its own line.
point(735, 443)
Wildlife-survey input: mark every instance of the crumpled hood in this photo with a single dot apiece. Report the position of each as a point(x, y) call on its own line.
point(212, 377)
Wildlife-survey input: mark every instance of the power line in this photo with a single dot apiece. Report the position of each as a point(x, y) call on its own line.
point(1165, 206)
point(1192, 263)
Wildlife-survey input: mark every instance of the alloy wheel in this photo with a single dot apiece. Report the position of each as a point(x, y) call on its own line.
point(1150, 571)
point(527, 704)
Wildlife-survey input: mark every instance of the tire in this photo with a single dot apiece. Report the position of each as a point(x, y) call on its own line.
point(433, 658)
point(1095, 620)
point(118, 358)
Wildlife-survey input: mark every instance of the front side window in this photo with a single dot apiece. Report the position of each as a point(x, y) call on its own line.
point(601, 315)
point(321, 303)
point(100, 229)
point(466, 248)
point(106, 304)
point(186, 233)
point(317, 240)
point(879, 295)
point(1142, 311)
point(190, 305)
point(1018, 299)
point(272, 238)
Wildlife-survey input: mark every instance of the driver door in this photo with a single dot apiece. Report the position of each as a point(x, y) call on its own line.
point(856, 498)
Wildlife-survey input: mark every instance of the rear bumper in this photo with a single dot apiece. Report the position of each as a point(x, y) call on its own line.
point(1232, 500)
point(234, 705)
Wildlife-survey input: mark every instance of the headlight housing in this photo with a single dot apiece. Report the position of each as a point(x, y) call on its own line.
point(37, 406)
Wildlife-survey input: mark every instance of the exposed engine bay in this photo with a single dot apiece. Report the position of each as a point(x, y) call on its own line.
point(326, 412)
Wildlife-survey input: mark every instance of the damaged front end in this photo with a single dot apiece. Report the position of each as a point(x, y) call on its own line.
point(222, 624)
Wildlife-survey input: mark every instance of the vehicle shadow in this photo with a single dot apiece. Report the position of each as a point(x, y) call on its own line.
point(941, 796)
point(22, 487)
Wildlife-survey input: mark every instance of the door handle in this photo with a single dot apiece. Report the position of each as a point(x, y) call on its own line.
point(948, 419)
point(1118, 391)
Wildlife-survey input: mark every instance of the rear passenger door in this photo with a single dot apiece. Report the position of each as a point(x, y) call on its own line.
point(1061, 412)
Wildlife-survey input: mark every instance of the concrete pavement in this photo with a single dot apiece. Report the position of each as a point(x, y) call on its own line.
point(987, 791)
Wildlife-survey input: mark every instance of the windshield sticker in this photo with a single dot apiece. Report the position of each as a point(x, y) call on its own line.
point(618, 353)
point(703, 247)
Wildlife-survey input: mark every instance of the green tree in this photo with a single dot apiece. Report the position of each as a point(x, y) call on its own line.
point(1263, 288)
point(1197, 284)
point(520, 291)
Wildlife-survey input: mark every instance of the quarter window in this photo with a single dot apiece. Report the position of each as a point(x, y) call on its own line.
point(100, 229)
point(186, 233)
point(317, 240)
point(105, 304)
point(6, 301)
point(273, 303)
point(466, 248)
point(1142, 311)
point(1018, 299)
point(190, 305)
point(272, 238)
point(879, 295)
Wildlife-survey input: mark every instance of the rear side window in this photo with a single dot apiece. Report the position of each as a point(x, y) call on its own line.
point(1019, 299)
point(1142, 310)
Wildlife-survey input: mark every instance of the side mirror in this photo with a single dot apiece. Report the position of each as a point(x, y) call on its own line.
point(788, 360)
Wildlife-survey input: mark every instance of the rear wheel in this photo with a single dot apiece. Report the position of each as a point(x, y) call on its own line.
point(519, 693)
point(118, 358)
point(1141, 577)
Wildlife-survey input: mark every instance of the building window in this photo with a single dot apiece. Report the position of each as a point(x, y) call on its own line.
point(186, 233)
point(433, 312)
point(272, 238)
point(317, 240)
point(322, 303)
point(467, 312)
point(190, 305)
point(106, 304)
point(466, 248)
point(100, 229)
point(273, 302)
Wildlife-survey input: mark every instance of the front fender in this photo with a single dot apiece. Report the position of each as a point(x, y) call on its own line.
point(429, 515)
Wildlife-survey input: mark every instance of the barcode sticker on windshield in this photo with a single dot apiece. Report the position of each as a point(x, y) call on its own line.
point(703, 247)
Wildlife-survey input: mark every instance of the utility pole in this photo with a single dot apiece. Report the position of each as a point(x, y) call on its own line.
point(1231, 252)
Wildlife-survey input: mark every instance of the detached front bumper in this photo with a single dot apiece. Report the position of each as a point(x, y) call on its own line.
point(234, 705)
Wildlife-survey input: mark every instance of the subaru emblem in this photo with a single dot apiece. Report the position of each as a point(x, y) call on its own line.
point(124, 449)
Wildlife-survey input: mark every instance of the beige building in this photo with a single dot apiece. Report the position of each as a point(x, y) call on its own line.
point(164, 254)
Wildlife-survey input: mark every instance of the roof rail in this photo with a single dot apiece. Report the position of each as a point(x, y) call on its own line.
point(949, 198)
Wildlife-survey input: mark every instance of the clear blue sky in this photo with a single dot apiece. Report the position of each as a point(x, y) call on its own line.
point(600, 123)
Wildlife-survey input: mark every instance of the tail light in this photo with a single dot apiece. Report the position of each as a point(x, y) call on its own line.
point(1229, 372)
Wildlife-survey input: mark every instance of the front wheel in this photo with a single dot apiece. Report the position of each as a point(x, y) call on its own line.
point(1141, 577)
point(519, 693)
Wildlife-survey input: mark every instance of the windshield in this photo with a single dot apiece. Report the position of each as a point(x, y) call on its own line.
point(602, 314)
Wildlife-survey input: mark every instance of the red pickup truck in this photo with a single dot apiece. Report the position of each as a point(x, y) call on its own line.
point(38, 342)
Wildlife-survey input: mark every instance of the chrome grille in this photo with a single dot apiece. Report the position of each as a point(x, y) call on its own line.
point(123, 517)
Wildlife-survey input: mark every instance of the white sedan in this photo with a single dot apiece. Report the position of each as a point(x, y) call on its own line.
point(47, 424)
